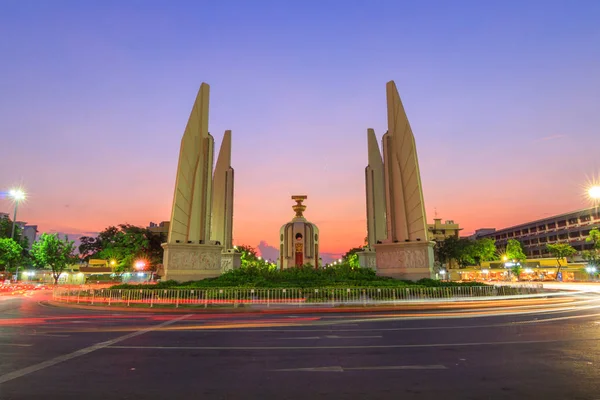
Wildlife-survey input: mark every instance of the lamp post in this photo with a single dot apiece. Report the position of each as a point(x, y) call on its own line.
point(16, 195)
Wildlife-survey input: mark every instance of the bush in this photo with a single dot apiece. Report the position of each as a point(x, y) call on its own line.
point(343, 276)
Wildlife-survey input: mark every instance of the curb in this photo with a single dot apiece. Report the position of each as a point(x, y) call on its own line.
point(314, 310)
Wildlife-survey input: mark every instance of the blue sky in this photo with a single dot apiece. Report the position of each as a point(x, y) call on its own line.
point(503, 98)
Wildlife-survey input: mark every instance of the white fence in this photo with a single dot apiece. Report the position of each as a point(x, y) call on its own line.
point(268, 297)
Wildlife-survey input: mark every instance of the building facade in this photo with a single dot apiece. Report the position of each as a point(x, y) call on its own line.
point(439, 231)
point(572, 228)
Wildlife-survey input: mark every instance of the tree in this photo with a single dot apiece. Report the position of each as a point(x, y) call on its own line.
point(248, 255)
point(6, 231)
point(10, 253)
point(51, 251)
point(516, 270)
point(560, 251)
point(455, 249)
point(484, 250)
point(351, 256)
point(88, 247)
point(514, 251)
point(592, 256)
point(124, 244)
point(594, 238)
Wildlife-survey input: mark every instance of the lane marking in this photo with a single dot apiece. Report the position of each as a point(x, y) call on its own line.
point(376, 368)
point(435, 366)
point(300, 338)
point(65, 357)
point(15, 345)
point(329, 337)
point(391, 346)
point(352, 337)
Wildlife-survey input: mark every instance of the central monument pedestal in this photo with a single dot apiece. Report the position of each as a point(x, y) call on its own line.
point(230, 259)
point(408, 260)
point(367, 259)
point(191, 262)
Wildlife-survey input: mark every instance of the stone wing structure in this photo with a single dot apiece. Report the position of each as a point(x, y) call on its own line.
point(222, 207)
point(190, 215)
point(404, 194)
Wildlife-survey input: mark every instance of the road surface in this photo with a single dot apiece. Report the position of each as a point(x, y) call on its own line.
point(539, 351)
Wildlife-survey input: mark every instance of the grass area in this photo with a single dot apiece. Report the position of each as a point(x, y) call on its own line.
point(303, 277)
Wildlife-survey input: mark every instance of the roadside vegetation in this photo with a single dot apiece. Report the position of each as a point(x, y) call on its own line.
point(265, 276)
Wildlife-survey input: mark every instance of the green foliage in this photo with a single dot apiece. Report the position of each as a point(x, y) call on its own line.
point(594, 238)
point(11, 253)
point(124, 244)
point(516, 270)
point(559, 251)
point(51, 251)
point(484, 250)
point(6, 231)
point(455, 249)
point(591, 256)
point(305, 277)
point(514, 251)
point(351, 257)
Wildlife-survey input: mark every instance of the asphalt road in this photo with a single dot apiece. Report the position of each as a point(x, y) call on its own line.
point(545, 352)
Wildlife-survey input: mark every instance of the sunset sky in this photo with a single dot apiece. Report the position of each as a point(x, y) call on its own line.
point(503, 98)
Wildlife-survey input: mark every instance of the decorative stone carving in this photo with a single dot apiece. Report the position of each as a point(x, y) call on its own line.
point(226, 264)
point(372, 262)
point(191, 261)
point(412, 260)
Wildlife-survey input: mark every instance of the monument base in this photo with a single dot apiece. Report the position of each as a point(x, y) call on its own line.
point(367, 259)
point(191, 262)
point(408, 260)
point(230, 259)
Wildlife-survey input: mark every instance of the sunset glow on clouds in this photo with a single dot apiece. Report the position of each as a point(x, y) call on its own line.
point(502, 100)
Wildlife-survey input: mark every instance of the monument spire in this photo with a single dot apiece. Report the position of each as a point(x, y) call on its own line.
point(222, 206)
point(190, 215)
point(406, 218)
point(188, 253)
point(375, 187)
point(406, 252)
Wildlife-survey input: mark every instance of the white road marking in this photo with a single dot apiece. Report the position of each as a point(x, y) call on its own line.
point(391, 346)
point(329, 337)
point(301, 338)
point(376, 368)
point(15, 345)
point(351, 337)
point(65, 357)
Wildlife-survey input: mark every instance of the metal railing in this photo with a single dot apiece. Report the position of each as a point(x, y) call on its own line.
point(276, 296)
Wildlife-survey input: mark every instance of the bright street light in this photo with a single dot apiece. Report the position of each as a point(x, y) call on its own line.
point(594, 192)
point(17, 195)
point(140, 264)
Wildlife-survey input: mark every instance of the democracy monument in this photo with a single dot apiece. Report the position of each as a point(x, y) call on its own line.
point(199, 243)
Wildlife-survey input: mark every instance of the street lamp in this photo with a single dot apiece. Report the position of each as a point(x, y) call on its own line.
point(594, 193)
point(16, 195)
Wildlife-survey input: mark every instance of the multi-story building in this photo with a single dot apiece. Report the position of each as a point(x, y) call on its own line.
point(439, 231)
point(28, 231)
point(572, 228)
point(482, 232)
point(162, 227)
